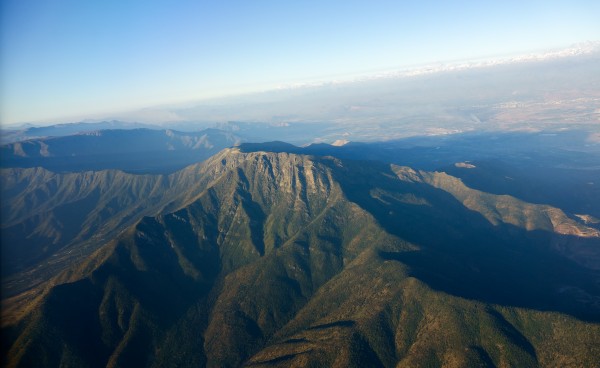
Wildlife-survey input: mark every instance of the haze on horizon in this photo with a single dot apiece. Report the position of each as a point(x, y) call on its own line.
point(64, 59)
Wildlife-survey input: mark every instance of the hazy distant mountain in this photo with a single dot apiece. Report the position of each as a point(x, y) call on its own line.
point(136, 150)
point(535, 92)
point(280, 259)
point(528, 92)
point(59, 130)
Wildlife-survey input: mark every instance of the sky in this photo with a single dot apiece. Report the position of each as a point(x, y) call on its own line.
point(71, 59)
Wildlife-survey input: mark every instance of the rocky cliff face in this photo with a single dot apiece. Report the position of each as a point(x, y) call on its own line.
point(277, 259)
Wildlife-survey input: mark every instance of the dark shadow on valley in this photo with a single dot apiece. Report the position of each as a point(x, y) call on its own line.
point(462, 254)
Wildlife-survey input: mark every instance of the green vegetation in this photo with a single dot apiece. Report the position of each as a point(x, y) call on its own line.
point(284, 260)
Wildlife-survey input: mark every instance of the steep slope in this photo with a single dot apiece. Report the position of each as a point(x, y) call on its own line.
point(50, 220)
point(291, 260)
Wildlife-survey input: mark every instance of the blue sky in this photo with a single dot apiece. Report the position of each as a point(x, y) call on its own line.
point(68, 59)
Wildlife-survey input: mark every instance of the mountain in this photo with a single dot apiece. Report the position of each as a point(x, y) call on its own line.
point(59, 130)
point(559, 168)
point(282, 259)
point(134, 150)
point(58, 218)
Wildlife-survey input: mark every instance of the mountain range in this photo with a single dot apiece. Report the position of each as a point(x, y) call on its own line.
point(29, 131)
point(265, 255)
point(139, 150)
